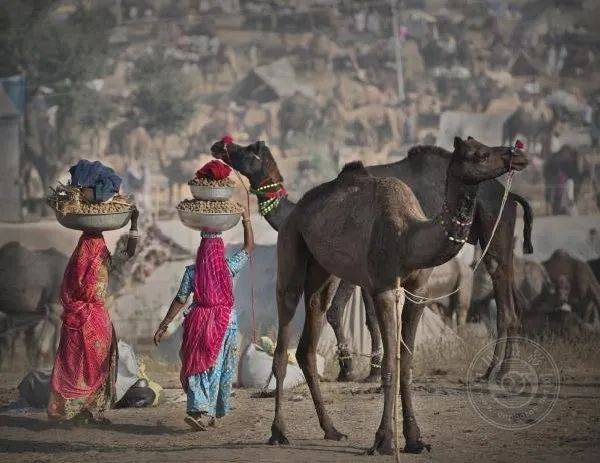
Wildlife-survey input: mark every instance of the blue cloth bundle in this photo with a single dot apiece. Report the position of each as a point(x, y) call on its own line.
point(102, 179)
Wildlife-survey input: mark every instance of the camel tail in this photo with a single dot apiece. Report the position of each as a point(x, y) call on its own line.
point(527, 222)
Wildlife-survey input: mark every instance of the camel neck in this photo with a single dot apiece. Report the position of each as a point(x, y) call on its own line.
point(274, 209)
point(456, 216)
point(434, 242)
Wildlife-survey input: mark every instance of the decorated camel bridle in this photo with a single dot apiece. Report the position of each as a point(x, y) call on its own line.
point(269, 196)
point(457, 228)
point(269, 193)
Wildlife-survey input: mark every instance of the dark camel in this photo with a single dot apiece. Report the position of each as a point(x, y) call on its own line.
point(325, 236)
point(424, 171)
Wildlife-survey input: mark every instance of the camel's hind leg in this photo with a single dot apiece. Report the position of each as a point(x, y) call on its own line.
point(292, 257)
point(499, 264)
point(376, 350)
point(334, 317)
point(317, 293)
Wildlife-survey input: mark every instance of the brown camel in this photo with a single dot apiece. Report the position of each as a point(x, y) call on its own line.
point(584, 294)
point(424, 171)
point(324, 236)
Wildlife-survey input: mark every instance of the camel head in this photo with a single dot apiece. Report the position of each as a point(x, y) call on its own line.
point(473, 162)
point(254, 161)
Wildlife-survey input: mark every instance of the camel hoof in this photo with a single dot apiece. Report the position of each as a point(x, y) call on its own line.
point(383, 445)
point(278, 438)
point(344, 376)
point(281, 440)
point(416, 447)
point(334, 434)
point(371, 379)
point(345, 370)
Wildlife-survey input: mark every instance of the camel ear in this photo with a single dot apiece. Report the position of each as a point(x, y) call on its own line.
point(469, 137)
point(258, 146)
point(458, 143)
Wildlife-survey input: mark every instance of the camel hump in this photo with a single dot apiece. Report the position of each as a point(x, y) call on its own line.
point(420, 151)
point(354, 167)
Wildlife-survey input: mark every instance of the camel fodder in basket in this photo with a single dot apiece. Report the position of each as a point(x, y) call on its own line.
point(210, 207)
point(67, 199)
point(203, 181)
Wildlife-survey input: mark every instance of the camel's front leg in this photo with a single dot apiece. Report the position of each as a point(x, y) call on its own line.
point(385, 307)
point(411, 315)
point(334, 317)
point(317, 292)
point(290, 283)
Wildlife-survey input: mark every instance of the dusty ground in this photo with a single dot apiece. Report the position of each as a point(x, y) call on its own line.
point(571, 432)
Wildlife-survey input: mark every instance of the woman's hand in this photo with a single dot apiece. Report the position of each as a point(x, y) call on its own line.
point(135, 214)
point(160, 332)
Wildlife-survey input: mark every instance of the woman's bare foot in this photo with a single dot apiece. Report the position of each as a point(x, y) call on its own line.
point(195, 422)
point(81, 419)
point(101, 420)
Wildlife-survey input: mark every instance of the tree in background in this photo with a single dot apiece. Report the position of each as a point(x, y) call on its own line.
point(164, 96)
point(59, 47)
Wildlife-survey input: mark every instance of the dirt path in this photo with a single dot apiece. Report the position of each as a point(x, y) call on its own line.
point(571, 432)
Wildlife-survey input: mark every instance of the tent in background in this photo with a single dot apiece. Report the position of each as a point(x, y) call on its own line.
point(270, 83)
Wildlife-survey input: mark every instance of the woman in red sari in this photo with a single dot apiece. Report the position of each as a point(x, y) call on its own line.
point(85, 367)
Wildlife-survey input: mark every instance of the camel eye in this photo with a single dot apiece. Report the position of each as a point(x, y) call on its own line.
point(479, 156)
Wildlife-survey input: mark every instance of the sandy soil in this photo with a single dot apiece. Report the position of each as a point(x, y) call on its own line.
point(448, 422)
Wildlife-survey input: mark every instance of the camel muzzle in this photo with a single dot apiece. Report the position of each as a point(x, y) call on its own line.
point(516, 159)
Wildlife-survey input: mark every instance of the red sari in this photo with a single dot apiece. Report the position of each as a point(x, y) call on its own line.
point(205, 324)
point(85, 364)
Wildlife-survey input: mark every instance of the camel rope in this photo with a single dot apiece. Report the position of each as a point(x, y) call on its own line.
point(250, 265)
point(417, 299)
point(399, 340)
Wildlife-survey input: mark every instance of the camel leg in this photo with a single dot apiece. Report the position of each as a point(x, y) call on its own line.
point(290, 284)
point(317, 291)
point(499, 264)
point(334, 317)
point(411, 316)
point(460, 303)
point(385, 306)
point(501, 272)
point(372, 326)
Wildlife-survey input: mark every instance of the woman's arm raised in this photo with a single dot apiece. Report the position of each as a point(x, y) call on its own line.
point(248, 232)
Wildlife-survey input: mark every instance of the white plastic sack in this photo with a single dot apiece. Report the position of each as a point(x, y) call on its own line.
point(127, 370)
point(255, 370)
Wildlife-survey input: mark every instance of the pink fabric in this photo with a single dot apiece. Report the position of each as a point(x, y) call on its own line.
point(82, 362)
point(205, 324)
